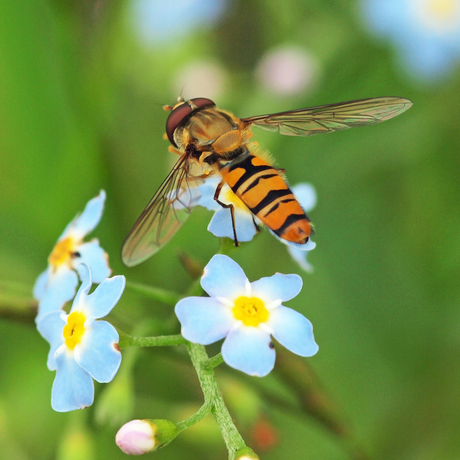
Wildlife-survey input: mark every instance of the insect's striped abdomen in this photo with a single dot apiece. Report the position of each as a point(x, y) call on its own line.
point(268, 197)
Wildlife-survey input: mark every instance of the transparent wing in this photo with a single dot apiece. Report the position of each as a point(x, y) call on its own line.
point(163, 216)
point(333, 117)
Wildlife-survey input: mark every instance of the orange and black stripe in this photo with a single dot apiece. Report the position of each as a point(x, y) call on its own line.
point(268, 197)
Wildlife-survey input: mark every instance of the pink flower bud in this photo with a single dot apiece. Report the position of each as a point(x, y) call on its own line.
point(138, 437)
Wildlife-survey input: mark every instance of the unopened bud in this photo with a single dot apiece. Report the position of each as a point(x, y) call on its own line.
point(138, 437)
point(246, 453)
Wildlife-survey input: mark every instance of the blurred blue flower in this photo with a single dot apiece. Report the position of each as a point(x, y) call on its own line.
point(426, 33)
point(83, 349)
point(57, 284)
point(246, 315)
point(221, 222)
point(160, 21)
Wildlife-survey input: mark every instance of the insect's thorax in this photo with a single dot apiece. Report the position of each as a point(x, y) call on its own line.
point(217, 134)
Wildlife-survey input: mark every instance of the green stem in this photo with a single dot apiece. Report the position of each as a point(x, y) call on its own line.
point(204, 410)
point(213, 362)
point(160, 341)
point(161, 295)
point(213, 397)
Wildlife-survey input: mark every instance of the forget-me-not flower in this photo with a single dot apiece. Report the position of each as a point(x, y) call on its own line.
point(83, 349)
point(160, 21)
point(57, 284)
point(221, 222)
point(246, 315)
point(426, 33)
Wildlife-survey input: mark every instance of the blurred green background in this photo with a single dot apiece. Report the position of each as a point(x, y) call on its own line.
point(81, 89)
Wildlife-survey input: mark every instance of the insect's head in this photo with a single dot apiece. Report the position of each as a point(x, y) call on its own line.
point(181, 111)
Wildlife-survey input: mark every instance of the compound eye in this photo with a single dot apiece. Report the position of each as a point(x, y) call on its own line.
point(202, 102)
point(183, 111)
point(175, 119)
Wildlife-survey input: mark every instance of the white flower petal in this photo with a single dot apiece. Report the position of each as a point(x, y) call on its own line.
point(97, 353)
point(221, 224)
point(100, 302)
point(204, 320)
point(223, 277)
point(73, 387)
point(86, 283)
point(248, 350)
point(293, 331)
point(300, 256)
point(40, 285)
point(278, 286)
point(306, 195)
point(51, 329)
point(89, 218)
point(96, 258)
point(59, 290)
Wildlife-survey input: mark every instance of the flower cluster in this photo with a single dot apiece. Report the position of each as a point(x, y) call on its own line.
point(81, 347)
point(426, 33)
point(248, 316)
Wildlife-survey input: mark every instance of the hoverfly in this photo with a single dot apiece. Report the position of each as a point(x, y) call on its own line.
point(212, 141)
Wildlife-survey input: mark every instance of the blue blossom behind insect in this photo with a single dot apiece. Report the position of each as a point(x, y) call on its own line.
point(426, 33)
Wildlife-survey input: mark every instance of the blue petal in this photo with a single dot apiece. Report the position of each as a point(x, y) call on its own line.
point(86, 282)
point(99, 303)
point(224, 278)
point(306, 196)
point(73, 387)
point(221, 224)
point(248, 350)
point(59, 290)
point(97, 259)
point(40, 285)
point(300, 257)
point(97, 354)
point(277, 287)
point(207, 195)
point(90, 217)
point(51, 328)
point(293, 331)
point(186, 198)
point(204, 320)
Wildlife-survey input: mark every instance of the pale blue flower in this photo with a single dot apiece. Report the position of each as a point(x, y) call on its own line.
point(57, 284)
point(425, 32)
point(221, 222)
point(161, 21)
point(83, 349)
point(246, 315)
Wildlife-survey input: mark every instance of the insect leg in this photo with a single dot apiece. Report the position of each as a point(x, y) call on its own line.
point(232, 211)
point(255, 225)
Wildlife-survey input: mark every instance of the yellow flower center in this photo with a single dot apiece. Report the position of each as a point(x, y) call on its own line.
point(443, 9)
point(62, 252)
point(229, 197)
point(74, 329)
point(441, 16)
point(250, 310)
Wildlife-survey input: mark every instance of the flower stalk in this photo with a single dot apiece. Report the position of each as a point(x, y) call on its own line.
point(213, 398)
